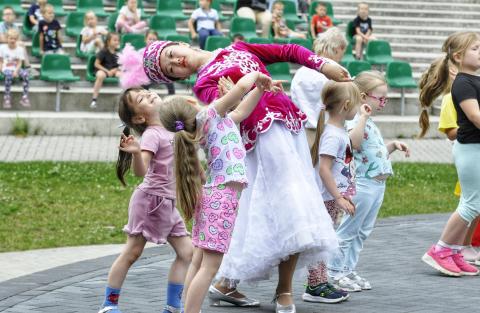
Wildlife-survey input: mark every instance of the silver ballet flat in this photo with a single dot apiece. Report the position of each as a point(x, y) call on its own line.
point(284, 308)
point(216, 297)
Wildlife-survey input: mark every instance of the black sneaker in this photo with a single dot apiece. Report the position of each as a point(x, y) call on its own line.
point(322, 293)
point(344, 293)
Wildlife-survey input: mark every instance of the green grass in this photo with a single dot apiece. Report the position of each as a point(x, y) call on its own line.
point(46, 204)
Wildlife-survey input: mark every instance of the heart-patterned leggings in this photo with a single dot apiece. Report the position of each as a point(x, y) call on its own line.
point(215, 218)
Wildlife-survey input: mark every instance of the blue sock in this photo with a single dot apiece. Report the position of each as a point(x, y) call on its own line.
point(174, 295)
point(111, 296)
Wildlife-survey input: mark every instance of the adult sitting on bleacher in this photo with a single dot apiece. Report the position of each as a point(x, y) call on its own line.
point(256, 10)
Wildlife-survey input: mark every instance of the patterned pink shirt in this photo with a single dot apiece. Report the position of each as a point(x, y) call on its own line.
point(241, 58)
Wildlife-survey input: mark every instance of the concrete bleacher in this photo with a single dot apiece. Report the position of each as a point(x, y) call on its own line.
point(415, 30)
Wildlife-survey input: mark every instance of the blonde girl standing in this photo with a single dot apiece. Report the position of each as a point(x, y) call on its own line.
point(372, 169)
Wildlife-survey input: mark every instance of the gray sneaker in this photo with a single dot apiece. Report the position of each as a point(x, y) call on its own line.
point(362, 282)
point(346, 284)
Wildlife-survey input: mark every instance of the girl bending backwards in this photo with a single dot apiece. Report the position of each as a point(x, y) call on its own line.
point(332, 158)
point(213, 207)
point(463, 50)
point(372, 169)
point(152, 215)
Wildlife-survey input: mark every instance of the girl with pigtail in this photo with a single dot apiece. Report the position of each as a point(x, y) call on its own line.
point(462, 50)
point(213, 208)
point(152, 214)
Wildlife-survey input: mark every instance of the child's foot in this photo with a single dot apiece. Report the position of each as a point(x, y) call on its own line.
point(465, 268)
point(322, 294)
point(344, 294)
point(25, 102)
point(469, 254)
point(93, 104)
point(362, 282)
point(171, 309)
point(442, 261)
point(7, 104)
point(346, 284)
point(110, 309)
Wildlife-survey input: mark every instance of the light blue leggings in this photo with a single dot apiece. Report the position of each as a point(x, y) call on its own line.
point(467, 162)
point(354, 230)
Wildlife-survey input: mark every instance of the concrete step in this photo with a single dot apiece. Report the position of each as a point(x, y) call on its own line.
point(425, 5)
point(415, 21)
point(107, 124)
point(407, 12)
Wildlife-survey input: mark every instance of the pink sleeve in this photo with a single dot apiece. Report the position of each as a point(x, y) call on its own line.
point(150, 141)
point(272, 53)
point(206, 90)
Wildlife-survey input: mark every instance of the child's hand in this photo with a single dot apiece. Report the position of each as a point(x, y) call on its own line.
point(346, 205)
point(402, 147)
point(277, 85)
point(264, 82)
point(336, 72)
point(224, 86)
point(365, 110)
point(194, 35)
point(15, 74)
point(129, 144)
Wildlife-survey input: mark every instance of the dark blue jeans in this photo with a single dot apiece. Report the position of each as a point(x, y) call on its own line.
point(204, 33)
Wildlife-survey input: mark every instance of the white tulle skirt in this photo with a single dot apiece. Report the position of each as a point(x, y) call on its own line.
point(281, 212)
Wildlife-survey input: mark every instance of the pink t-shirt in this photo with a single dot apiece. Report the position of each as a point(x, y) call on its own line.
point(223, 147)
point(160, 177)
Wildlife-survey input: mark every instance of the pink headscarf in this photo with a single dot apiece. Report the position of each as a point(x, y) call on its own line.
point(140, 69)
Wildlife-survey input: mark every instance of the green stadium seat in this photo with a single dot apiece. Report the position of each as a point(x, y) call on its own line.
point(306, 43)
point(330, 13)
point(350, 32)
point(92, 5)
point(178, 38)
point(244, 26)
point(121, 3)
point(378, 52)
point(36, 45)
point(189, 81)
point(399, 75)
point(348, 56)
point(280, 71)
point(112, 19)
point(90, 76)
point(163, 25)
point(259, 40)
point(171, 8)
point(216, 42)
point(26, 26)
point(58, 5)
point(57, 68)
point(136, 40)
point(290, 12)
point(79, 53)
point(74, 24)
point(356, 67)
point(16, 5)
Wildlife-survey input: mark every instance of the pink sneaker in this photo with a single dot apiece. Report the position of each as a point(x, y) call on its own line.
point(442, 261)
point(465, 268)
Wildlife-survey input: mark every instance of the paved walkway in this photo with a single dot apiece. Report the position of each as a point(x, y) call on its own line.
point(77, 148)
point(390, 260)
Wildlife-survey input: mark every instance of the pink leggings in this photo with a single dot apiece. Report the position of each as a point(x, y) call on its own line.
point(124, 27)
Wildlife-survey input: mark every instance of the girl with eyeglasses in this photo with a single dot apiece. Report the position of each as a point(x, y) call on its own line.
point(372, 168)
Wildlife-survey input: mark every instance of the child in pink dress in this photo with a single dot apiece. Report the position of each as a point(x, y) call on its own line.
point(213, 207)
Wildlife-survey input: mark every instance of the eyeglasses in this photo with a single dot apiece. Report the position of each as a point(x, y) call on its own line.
point(383, 100)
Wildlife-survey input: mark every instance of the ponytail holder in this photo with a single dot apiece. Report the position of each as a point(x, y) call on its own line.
point(179, 126)
point(425, 109)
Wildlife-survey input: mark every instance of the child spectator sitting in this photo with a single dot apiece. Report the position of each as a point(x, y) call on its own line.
point(363, 29)
point(280, 28)
point(320, 21)
point(129, 21)
point(35, 14)
point(237, 38)
point(106, 64)
point(207, 21)
point(6, 25)
point(92, 34)
point(11, 58)
point(49, 31)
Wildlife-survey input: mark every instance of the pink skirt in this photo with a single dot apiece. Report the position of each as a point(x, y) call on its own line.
point(154, 217)
point(215, 218)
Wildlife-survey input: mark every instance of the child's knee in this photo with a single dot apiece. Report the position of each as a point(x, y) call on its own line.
point(468, 212)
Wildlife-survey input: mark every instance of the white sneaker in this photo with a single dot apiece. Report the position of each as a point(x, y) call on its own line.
point(93, 104)
point(470, 254)
point(362, 282)
point(346, 284)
